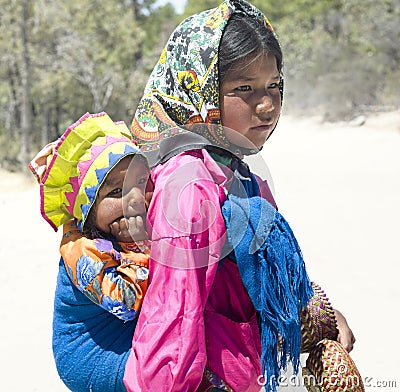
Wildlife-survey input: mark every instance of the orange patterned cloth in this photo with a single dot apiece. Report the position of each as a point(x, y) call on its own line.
point(112, 275)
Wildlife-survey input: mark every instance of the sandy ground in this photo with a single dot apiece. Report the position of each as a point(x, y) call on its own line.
point(339, 187)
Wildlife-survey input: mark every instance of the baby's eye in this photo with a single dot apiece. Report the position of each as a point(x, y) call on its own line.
point(243, 88)
point(115, 192)
point(273, 85)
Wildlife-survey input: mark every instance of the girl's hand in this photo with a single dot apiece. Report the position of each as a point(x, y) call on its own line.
point(345, 337)
point(131, 229)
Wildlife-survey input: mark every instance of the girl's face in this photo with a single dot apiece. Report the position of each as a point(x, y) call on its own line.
point(251, 102)
point(118, 197)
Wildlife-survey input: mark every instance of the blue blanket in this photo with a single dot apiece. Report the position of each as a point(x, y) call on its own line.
point(90, 345)
point(273, 271)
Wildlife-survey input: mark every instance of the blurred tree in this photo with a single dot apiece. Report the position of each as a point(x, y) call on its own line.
point(195, 6)
point(26, 82)
point(9, 76)
point(347, 52)
point(16, 100)
point(373, 29)
point(59, 60)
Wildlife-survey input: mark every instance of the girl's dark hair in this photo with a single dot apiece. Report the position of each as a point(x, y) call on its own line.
point(244, 37)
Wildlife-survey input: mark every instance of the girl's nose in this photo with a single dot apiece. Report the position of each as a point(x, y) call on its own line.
point(265, 104)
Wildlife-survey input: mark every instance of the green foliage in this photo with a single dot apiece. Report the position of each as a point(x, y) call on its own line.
point(195, 6)
point(341, 57)
point(84, 56)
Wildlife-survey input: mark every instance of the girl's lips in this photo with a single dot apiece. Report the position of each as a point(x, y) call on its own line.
point(263, 127)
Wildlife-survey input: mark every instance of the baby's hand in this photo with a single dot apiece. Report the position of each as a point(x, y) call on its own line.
point(345, 337)
point(131, 229)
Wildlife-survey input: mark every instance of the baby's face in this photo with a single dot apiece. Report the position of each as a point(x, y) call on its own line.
point(122, 194)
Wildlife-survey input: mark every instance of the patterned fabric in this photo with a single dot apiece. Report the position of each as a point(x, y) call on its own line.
point(90, 345)
point(329, 368)
point(78, 165)
point(38, 165)
point(116, 281)
point(182, 94)
point(217, 384)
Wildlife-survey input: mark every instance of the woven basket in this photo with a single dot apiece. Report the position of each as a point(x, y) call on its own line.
point(329, 368)
point(318, 321)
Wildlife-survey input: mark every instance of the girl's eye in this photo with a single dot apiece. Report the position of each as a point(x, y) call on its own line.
point(142, 181)
point(243, 88)
point(115, 192)
point(273, 85)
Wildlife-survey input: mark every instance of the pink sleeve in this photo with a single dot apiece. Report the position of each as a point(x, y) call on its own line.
point(188, 231)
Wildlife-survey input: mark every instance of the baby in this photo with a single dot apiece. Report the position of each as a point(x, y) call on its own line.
point(85, 187)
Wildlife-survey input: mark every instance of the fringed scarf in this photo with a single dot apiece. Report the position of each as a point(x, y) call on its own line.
point(272, 269)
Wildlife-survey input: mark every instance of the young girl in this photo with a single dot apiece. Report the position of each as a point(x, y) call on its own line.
point(93, 180)
point(214, 96)
point(214, 315)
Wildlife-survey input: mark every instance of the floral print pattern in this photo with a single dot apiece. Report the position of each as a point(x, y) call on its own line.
point(115, 280)
point(183, 88)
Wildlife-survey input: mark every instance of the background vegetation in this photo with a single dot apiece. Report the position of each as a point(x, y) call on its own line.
point(60, 59)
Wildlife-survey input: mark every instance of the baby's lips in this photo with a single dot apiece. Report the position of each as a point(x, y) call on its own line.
point(117, 220)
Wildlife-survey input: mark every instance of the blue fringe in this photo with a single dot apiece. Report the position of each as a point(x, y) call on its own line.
point(272, 269)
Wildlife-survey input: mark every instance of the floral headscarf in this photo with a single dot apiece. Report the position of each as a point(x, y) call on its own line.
point(180, 107)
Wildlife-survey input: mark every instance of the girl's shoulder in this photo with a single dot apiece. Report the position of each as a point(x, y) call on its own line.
point(187, 198)
point(265, 190)
point(190, 166)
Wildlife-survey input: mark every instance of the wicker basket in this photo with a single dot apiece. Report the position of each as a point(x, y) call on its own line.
point(318, 321)
point(329, 368)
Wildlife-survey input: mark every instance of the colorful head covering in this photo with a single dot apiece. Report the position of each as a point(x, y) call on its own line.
point(72, 169)
point(180, 107)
